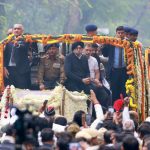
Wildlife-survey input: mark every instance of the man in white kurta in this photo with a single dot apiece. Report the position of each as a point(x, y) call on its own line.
point(93, 65)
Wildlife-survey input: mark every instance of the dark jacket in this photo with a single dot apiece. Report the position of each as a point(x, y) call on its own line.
point(7, 146)
point(108, 51)
point(20, 56)
point(46, 147)
point(76, 69)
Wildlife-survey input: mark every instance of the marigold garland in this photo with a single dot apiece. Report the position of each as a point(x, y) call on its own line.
point(132, 53)
point(1, 68)
point(147, 73)
point(130, 90)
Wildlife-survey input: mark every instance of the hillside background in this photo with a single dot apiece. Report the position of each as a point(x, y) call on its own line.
point(70, 16)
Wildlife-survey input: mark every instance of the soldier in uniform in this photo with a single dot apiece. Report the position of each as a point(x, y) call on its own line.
point(51, 68)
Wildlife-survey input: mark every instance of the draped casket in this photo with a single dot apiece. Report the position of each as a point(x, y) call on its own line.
point(65, 102)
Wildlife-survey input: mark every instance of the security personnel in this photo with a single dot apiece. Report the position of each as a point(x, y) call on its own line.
point(51, 68)
point(127, 31)
point(133, 35)
point(91, 30)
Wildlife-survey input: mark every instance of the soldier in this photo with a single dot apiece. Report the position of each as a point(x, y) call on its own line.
point(51, 68)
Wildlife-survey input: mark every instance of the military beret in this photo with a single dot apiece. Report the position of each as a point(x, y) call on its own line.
point(91, 27)
point(118, 104)
point(48, 46)
point(134, 32)
point(76, 44)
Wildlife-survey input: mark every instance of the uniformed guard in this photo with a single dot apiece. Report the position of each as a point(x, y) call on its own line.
point(51, 68)
point(91, 30)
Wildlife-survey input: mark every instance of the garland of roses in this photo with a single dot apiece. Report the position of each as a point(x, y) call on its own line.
point(6, 101)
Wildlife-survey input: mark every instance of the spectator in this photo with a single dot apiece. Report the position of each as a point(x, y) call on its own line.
point(63, 141)
point(59, 124)
point(8, 139)
point(130, 143)
point(78, 118)
point(47, 136)
point(144, 129)
point(73, 129)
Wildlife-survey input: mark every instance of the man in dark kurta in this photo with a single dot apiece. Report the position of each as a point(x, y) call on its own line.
point(78, 74)
point(77, 70)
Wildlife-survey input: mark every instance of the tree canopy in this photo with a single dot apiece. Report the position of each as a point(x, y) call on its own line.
point(71, 16)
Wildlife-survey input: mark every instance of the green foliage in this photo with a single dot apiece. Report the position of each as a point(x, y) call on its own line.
point(54, 17)
point(3, 22)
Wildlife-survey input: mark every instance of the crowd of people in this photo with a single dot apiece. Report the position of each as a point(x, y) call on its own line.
point(112, 130)
point(98, 70)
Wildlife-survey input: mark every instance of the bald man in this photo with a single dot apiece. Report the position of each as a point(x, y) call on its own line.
point(16, 62)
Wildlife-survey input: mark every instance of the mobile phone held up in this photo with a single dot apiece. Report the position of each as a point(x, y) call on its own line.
point(74, 146)
point(111, 110)
point(88, 118)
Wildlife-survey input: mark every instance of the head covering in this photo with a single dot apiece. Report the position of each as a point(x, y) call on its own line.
point(58, 128)
point(147, 119)
point(48, 46)
point(91, 27)
point(83, 134)
point(134, 32)
point(76, 44)
point(118, 104)
point(73, 128)
point(92, 132)
point(101, 132)
point(128, 125)
point(127, 29)
point(49, 111)
point(94, 45)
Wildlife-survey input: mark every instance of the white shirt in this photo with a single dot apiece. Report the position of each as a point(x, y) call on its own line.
point(93, 65)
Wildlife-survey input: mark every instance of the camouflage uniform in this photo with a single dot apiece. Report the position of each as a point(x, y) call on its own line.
point(50, 72)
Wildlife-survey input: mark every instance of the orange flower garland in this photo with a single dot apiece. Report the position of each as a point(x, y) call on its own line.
point(1, 68)
point(70, 38)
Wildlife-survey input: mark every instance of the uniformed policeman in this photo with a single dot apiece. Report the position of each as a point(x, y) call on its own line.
point(51, 68)
point(91, 30)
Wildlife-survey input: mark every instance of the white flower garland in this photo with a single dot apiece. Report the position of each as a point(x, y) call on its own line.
point(4, 105)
